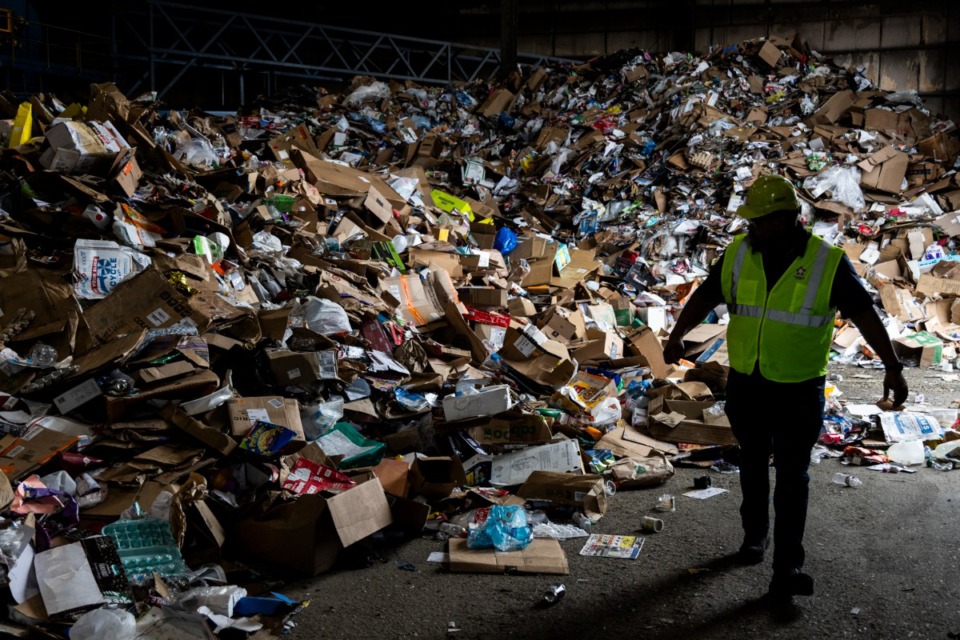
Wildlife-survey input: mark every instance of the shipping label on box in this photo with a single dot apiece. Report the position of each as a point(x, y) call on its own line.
point(246, 412)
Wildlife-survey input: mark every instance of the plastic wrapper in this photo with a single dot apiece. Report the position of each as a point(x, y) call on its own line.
point(101, 624)
point(221, 599)
point(503, 529)
point(842, 183)
point(197, 152)
point(322, 417)
point(325, 317)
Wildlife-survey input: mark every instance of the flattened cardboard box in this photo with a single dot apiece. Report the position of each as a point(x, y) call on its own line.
point(244, 412)
point(34, 448)
point(147, 301)
point(541, 556)
point(297, 368)
point(930, 284)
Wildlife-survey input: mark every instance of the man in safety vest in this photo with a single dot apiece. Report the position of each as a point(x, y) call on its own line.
point(782, 287)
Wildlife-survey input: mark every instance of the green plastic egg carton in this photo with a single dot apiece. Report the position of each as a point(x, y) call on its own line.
point(146, 547)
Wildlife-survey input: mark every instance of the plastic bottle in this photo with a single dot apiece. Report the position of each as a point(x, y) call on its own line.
point(907, 452)
point(609, 488)
point(453, 530)
point(847, 480)
point(582, 521)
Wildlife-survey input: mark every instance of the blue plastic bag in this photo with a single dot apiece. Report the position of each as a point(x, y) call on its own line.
point(505, 241)
point(505, 529)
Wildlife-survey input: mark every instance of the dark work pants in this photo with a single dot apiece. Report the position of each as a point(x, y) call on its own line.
point(783, 419)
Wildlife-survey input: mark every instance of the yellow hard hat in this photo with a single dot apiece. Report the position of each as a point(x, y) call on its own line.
point(767, 195)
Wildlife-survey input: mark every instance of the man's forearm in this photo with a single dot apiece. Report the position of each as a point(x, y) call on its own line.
point(873, 331)
point(693, 313)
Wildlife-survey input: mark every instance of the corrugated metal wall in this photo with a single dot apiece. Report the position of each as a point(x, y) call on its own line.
point(902, 45)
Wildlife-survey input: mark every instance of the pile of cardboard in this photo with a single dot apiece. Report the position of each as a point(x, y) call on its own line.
point(335, 316)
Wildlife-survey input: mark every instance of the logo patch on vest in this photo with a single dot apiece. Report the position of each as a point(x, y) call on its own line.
point(800, 273)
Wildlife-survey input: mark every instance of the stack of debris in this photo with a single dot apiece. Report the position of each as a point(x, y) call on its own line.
point(263, 339)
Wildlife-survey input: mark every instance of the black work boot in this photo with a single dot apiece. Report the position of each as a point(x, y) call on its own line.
point(791, 583)
point(752, 552)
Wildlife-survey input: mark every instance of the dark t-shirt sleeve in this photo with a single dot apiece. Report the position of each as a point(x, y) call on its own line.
point(711, 288)
point(849, 295)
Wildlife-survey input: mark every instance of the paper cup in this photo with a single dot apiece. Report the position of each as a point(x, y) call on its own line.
point(654, 525)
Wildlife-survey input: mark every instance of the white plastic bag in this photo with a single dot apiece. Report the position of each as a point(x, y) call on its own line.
point(374, 91)
point(843, 183)
point(114, 624)
point(325, 316)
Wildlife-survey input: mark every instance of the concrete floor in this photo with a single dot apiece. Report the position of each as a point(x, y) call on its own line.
point(884, 557)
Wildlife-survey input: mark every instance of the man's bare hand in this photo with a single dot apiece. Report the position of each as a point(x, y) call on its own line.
point(673, 350)
point(895, 382)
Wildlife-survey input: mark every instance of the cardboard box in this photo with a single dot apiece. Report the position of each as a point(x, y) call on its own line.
point(701, 337)
point(149, 301)
point(298, 368)
point(769, 53)
point(884, 170)
point(514, 468)
point(521, 307)
point(37, 446)
point(209, 436)
point(436, 477)
point(585, 492)
point(646, 343)
point(497, 102)
point(82, 147)
point(244, 412)
point(127, 173)
point(716, 352)
point(419, 303)
point(194, 385)
point(901, 303)
point(683, 421)
point(483, 297)
point(922, 346)
point(941, 147)
point(541, 556)
point(609, 347)
point(834, 108)
point(582, 263)
point(305, 536)
point(171, 371)
point(488, 401)
point(930, 284)
point(562, 324)
point(512, 429)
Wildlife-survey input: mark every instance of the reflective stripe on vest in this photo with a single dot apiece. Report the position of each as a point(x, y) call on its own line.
point(785, 328)
point(806, 317)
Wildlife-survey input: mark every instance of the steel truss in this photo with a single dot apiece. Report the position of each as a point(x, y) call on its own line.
point(181, 38)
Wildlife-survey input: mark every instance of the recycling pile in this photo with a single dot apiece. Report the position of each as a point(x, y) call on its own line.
point(231, 343)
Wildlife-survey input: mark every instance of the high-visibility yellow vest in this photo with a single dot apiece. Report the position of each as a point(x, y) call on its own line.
point(788, 330)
